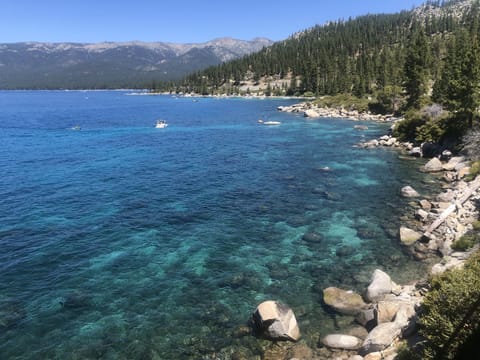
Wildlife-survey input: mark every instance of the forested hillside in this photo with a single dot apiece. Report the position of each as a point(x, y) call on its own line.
point(365, 55)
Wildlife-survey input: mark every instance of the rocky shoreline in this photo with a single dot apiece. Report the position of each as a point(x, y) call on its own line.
point(313, 111)
point(387, 313)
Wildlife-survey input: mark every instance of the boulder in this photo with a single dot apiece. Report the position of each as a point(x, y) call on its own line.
point(311, 113)
point(434, 165)
point(385, 311)
point(426, 205)
point(406, 318)
point(345, 302)
point(408, 236)
point(409, 192)
point(421, 215)
point(446, 196)
point(429, 150)
point(366, 318)
point(275, 321)
point(453, 162)
point(380, 285)
point(415, 152)
point(340, 341)
point(380, 338)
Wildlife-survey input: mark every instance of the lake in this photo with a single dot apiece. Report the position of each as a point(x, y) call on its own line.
point(123, 241)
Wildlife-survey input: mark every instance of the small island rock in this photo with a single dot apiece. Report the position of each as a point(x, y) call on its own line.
point(275, 321)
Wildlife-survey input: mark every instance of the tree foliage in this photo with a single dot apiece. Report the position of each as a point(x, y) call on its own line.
point(451, 318)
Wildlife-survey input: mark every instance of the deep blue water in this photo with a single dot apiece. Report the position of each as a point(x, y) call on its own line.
point(122, 241)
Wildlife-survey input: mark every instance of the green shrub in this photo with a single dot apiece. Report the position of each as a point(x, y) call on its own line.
point(406, 130)
point(466, 241)
point(476, 225)
point(451, 316)
point(474, 171)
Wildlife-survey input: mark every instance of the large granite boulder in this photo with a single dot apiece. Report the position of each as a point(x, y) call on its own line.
point(408, 236)
point(345, 302)
point(340, 341)
point(380, 285)
point(434, 165)
point(385, 311)
point(275, 321)
point(380, 338)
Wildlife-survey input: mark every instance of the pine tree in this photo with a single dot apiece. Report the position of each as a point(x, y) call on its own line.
point(416, 68)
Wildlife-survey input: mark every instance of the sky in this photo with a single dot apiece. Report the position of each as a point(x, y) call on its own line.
point(177, 21)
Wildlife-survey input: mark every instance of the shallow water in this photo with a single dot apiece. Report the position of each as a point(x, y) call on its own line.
point(122, 241)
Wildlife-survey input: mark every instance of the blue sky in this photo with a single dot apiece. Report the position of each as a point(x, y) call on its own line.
point(174, 20)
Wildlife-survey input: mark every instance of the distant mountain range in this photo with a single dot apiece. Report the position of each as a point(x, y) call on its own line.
point(36, 65)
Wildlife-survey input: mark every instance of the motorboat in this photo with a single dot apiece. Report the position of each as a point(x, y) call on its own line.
point(161, 124)
point(271, 123)
point(76, 127)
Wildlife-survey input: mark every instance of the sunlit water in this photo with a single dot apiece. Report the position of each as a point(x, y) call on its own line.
point(122, 241)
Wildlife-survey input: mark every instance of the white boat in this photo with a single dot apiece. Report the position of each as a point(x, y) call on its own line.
point(161, 124)
point(271, 123)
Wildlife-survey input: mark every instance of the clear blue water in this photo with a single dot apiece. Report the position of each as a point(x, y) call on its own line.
point(122, 241)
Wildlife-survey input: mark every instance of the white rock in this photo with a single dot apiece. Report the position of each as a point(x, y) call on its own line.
point(434, 165)
point(380, 337)
point(340, 341)
point(276, 321)
point(311, 113)
point(380, 285)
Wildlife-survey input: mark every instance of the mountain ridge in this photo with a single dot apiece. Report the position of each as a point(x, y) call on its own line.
point(32, 65)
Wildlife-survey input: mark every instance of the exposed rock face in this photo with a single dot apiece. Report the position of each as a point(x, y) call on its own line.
point(434, 165)
point(340, 341)
point(408, 236)
point(380, 285)
point(345, 302)
point(409, 192)
point(275, 321)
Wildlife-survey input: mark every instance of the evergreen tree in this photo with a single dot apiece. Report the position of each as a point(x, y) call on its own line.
point(416, 68)
point(458, 87)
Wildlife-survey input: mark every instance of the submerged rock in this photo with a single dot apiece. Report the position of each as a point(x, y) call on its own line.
point(409, 192)
point(409, 236)
point(345, 302)
point(275, 321)
point(312, 237)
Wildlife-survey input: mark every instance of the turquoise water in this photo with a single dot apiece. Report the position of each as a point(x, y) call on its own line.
point(122, 241)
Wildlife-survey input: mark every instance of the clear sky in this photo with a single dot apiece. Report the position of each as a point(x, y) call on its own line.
point(180, 21)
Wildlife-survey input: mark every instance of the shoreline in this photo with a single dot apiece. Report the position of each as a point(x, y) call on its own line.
point(389, 315)
point(313, 111)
